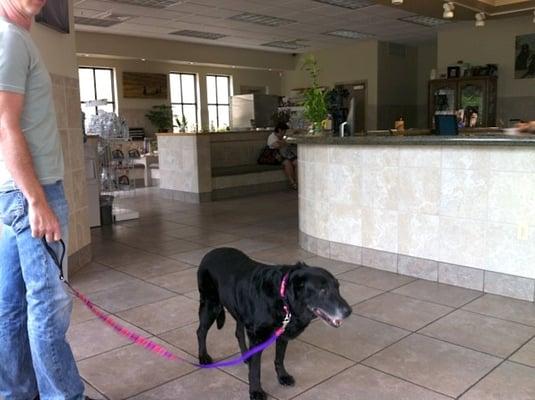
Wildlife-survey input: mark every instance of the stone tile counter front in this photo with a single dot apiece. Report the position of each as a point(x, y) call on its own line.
point(457, 210)
point(211, 166)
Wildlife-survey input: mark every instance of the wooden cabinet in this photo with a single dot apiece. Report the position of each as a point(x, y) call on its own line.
point(472, 95)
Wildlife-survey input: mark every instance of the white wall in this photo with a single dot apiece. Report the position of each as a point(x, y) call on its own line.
point(356, 62)
point(119, 46)
point(493, 44)
point(134, 110)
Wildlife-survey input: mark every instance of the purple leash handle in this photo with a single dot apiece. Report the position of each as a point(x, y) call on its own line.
point(155, 347)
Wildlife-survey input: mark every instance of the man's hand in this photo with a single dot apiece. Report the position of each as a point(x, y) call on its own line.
point(44, 223)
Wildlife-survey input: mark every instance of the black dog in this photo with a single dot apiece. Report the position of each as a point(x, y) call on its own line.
point(250, 291)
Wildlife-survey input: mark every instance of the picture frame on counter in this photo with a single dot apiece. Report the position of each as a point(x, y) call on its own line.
point(454, 72)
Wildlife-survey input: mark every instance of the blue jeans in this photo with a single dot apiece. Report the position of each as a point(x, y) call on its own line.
point(35, 309)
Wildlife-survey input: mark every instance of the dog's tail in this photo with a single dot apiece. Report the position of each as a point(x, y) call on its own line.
point(221, 318)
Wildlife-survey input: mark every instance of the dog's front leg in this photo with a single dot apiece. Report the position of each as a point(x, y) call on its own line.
point(283, 376)
point(255, 387)
point(240, 335)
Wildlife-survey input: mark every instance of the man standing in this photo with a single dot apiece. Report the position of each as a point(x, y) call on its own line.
point(35, 359)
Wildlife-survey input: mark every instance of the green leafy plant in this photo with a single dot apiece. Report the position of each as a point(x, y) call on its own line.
point(161, 116)
point(315, 97)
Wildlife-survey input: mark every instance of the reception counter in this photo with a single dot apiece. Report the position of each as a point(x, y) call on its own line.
point(457, 210)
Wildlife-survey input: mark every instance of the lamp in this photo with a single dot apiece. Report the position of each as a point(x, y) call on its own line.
point(448, 10)
point(480, 19)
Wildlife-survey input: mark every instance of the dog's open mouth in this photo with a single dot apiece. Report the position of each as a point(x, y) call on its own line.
point(332, 321)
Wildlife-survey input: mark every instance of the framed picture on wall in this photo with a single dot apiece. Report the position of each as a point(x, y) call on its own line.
point(525, 56)
point(138, 85)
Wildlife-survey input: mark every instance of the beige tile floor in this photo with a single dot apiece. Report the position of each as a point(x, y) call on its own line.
point(406, 340)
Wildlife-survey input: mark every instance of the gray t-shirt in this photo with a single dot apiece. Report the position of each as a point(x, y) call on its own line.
point(23, 71)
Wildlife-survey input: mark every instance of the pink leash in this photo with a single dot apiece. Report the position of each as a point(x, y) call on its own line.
point(155, 347)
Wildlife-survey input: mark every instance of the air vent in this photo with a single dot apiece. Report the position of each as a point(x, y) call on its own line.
point(103, 23)
point(288, 45)
point(424, 21)
point(347, 34)
point(199, 34)
point(350, 4)
point(149, 3)
point(259, 19)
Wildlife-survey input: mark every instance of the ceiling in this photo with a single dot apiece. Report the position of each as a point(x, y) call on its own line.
point(276, 25)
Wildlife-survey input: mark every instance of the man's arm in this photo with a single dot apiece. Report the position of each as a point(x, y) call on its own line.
point(18, 159)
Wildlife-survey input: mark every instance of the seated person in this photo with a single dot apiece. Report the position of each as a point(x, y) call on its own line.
point(287, 152)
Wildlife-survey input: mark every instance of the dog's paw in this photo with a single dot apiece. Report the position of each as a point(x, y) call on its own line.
point(258, 395)
point(286, 380)
point(205, 359)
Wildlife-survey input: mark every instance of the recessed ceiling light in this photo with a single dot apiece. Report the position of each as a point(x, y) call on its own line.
point(424, 21)
point(289, 45)
point(348, 34)
point(199, 34)
point(143, 59)
point(351, 4)
point(259, 19)
point(149, 3)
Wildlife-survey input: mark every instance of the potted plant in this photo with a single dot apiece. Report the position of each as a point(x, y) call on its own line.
point(315, 103)
point(161, 116)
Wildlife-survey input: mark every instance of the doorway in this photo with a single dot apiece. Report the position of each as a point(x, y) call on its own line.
point(354, 106)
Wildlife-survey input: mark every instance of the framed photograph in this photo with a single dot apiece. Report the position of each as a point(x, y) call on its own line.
point(454, 72)
point(138, 85)
point(525, 57)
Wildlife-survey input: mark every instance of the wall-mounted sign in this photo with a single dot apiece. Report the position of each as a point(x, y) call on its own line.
point(137, 85)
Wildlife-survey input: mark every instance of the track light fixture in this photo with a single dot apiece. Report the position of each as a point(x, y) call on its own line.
point(448, 10)
point(480, 19)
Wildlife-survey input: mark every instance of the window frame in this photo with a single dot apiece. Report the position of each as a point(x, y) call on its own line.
point(217, 104)
point(112, 83)
point(182, 104)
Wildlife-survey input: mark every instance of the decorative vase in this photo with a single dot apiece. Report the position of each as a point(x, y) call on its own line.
point(317, 128)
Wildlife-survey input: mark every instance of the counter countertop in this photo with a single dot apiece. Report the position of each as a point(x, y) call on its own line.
point(211, 133)
point(458, 140)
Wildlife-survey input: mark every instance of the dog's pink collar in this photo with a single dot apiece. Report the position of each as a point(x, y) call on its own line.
point(287, 313)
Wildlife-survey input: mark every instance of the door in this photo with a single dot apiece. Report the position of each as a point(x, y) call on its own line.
point(354, 107)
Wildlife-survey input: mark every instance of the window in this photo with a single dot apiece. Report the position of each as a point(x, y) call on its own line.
point(218, 88)
point(184, 100)
point(96, 84)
